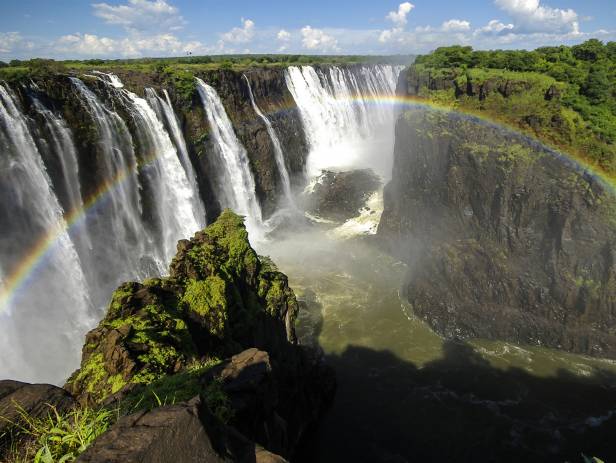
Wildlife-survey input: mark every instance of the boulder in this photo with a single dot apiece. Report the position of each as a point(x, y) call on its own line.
point(36, 401)
point(339, 196)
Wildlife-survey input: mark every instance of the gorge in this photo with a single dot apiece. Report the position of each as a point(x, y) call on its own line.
point(460, 278)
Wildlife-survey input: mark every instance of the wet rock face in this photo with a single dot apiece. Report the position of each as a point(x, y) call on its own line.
point(505, 239)
point(275, 101)
point(339, 196)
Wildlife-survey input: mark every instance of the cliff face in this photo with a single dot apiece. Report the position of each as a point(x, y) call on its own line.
point(274, 100)
point(270, 93)
point(506, 239)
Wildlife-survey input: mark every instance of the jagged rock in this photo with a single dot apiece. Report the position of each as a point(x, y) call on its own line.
point(166, 335)
point(220, 298)
point(505, 238)
point(182, 433)
point(33, 400)
point(340, 196)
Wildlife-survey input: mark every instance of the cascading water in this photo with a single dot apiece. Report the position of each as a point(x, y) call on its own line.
point(278, 153)
point(63, 152)
point(124, 227)
point(240, 187)
point(165, 113)
point(175, 198)
point(345, 125)
point(117, 226)
point(38, 326)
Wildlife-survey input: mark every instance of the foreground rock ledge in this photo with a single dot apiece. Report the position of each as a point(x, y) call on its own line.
point(161, 342)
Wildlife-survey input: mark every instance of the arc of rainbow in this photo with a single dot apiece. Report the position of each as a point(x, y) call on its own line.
point(36, 254)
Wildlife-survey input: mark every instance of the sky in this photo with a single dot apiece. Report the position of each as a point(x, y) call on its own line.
point(64, 29)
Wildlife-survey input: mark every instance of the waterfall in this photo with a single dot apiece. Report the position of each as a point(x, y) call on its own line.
point(64, 151)
point(240, 185)
point(278, 154)
point(345, 116)
point(124, 249)
point(175, 198)
point(41, 326)
point(165, 113)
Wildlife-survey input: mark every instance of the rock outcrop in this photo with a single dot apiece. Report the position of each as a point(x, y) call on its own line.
point(339, 196)
point(20, 400)
point(506, 239)
point(162, 338)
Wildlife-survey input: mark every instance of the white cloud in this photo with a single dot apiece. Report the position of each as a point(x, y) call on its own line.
point(456, 25)
point(93, 45)
point(399, 20)
point(530, 16)
point(9, 41)
point(141, 15)
point(495, 27)
point(242, 34)
point(284, 37)
point(317, 39)
point(399, 17)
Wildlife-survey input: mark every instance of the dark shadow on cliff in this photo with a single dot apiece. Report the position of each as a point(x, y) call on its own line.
point(460, 408)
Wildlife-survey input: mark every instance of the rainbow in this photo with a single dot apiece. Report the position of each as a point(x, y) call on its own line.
point(19, 276)
point(35, 257)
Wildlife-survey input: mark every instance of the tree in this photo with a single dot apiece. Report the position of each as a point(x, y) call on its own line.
point(3, 64)
point(597, 86)
point(611, 50)
point(45, 67)
point(591, 50)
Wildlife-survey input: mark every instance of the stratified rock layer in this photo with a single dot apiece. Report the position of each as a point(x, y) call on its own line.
point(506, 239)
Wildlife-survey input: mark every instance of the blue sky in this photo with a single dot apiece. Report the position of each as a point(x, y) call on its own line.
point(134, 28)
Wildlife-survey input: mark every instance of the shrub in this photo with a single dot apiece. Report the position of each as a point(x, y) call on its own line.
point(58, 438)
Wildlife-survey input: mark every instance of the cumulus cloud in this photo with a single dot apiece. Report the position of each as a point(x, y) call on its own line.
point(284, 37)
point(9, 41)
point(399, 17)
point(242, 34)
point(317, 39)
point(94, 45)
point(530, 16)
point(456, 25)
point(141, 15)
point(495, 27)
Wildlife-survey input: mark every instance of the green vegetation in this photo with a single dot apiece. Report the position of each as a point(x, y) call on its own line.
point(565, 96)
point(170, 389)
point(59, 437)
point(208, 298)
point(177, 69)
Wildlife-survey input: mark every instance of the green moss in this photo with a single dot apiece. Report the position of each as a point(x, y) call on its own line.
point(92, 372)
point(218, 402)
point(170, 389)
point(116, 382)
point(208, 298)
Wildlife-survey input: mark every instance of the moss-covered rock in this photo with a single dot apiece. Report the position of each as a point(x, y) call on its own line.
point(218, 299)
